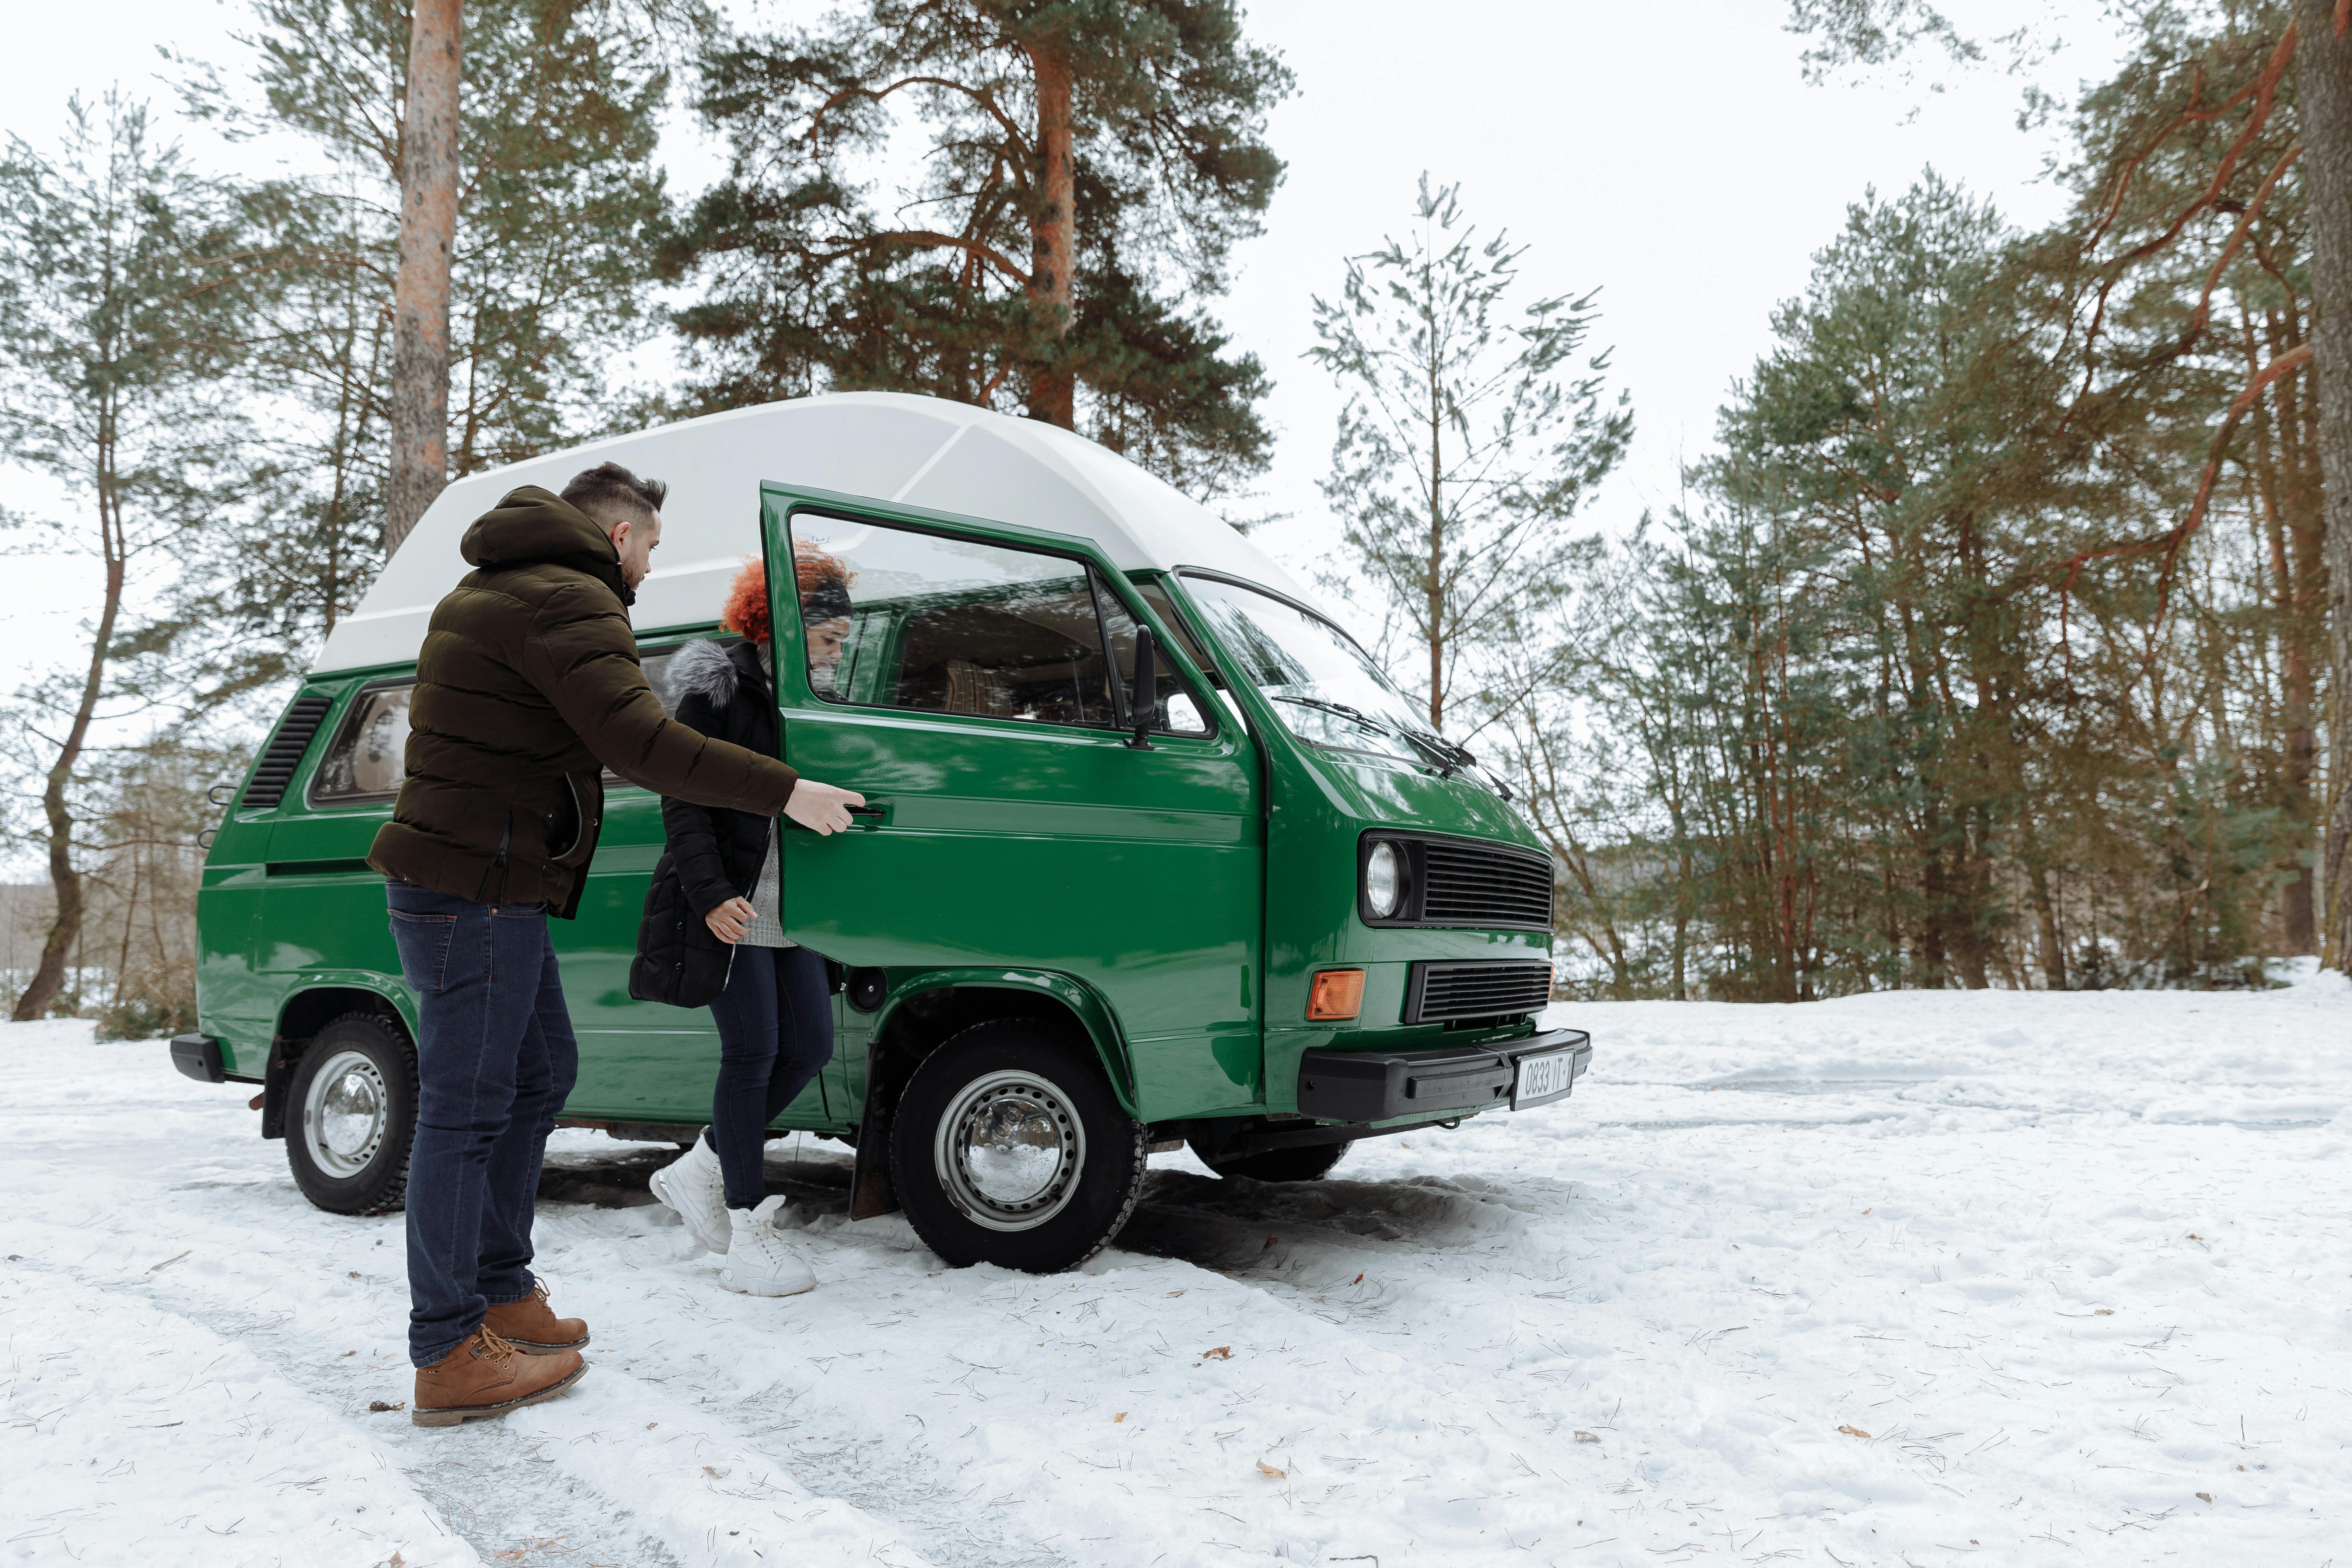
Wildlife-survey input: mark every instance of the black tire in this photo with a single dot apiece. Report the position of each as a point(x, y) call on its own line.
point(369, 1175)
point(1311, 1164)
point(998, 1069)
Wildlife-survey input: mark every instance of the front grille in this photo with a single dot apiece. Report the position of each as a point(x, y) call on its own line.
point(276, 769)
point(1464, 882)
point(1474, 885)
point(1440, 993)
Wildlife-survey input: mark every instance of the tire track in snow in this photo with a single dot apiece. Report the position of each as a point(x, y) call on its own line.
point(170, 1438)
point(573, 1481)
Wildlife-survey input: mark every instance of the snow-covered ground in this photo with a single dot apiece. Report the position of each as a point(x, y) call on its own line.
point(1907, 1278)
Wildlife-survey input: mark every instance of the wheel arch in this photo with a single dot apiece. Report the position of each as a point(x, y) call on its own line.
point(922, 1010)
point(313, 1002)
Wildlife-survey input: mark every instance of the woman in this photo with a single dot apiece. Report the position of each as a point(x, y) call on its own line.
point(712, 933)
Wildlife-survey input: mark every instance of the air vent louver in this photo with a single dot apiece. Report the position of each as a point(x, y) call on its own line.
point(1470, 885)
point(1440, 993)
point(276, 769)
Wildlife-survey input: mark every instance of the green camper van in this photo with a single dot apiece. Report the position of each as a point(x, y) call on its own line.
point(1154, 854)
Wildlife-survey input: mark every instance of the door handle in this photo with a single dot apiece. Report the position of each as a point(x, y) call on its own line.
point(875, 814)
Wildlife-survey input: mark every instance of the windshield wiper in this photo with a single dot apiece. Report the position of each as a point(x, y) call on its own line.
point(1459, 758)
point(1444, 755)
point(1447, 758)
point(1341, 709)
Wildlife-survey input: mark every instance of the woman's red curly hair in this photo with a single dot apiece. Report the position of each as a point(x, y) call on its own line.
point(745, 612)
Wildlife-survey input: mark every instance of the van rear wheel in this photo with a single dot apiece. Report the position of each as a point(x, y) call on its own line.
point(351, 1115)
point(1008, 1147)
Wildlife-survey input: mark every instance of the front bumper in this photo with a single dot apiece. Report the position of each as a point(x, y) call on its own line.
point(1382, 1085)
point(199, 1056)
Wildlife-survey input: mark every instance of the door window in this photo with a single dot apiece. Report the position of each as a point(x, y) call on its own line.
point(1175, 710)
point(1156, 595)
point(898, 619)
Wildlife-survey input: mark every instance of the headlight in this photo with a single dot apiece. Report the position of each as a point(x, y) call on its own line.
point(1382, 884)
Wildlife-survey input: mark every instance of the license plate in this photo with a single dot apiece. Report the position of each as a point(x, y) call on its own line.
point(1542, 1078)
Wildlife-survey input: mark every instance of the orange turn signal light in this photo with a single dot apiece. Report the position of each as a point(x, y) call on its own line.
point(1338, 993)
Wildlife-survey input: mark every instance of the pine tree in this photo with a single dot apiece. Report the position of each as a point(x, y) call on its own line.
point(126, 288)
point(2258, 116)
point(559, 206)
point(1089, 166)
point(1469, 438)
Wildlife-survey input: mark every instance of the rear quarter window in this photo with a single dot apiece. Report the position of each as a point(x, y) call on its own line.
point(366, 761)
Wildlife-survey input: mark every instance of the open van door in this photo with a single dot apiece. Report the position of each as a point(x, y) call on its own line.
point(982, 701)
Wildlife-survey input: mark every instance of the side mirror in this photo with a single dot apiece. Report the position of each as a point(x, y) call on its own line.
point(1147, 689)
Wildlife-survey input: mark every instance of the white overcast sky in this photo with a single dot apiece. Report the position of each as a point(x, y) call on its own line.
point(1672, 157)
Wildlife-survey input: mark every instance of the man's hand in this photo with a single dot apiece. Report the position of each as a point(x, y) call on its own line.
point(730, 919)
point(821, 807)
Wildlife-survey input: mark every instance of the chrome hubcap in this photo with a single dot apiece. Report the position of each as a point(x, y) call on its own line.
point(345, 1114)
point(1008, 1151)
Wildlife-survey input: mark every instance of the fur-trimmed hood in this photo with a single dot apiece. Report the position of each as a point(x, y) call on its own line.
point(714, 670)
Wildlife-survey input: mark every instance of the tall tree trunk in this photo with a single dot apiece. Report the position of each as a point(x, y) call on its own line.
point(65, 931)
point(2272, 448)
point(1682, 919)
point(1436, 584)
point(420, 293)
point(2324, 100)
point(2045, 908)
point(1972, 888)
point(1054, 236)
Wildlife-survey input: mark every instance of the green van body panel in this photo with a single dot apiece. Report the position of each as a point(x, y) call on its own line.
point(1176, 899)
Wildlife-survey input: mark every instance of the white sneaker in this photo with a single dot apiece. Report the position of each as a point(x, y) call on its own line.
point(759, 1263)
point(692, 1186)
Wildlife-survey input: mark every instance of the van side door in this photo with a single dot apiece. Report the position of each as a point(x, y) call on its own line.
point(982, 701)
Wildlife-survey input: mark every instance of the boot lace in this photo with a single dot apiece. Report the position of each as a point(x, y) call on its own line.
point(494, 1349)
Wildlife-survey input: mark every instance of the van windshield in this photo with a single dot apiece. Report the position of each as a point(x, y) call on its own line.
point(1326, 689)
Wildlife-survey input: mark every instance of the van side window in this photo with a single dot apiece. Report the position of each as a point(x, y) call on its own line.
point(366, 759)
point(942, 625)
point(365, 763)
point(655, 662)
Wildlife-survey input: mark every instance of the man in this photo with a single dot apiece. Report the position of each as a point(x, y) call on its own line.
point(527, 684)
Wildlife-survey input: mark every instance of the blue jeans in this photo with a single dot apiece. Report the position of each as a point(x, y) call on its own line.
point(495, 1061)
point(775, 1033)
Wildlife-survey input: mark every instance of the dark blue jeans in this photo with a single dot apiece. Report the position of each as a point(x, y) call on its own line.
point(495, 1060)
point(776, 1034)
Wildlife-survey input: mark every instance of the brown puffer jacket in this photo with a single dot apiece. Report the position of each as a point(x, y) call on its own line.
point(528, 681)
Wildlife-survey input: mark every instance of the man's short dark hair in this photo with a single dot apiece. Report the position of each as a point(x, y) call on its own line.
point(611, 495)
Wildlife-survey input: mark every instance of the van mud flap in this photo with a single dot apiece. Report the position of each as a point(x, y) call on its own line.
point(871, 1194)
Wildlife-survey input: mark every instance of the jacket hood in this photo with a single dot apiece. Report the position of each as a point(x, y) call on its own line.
point(531, 525)
point(714, 670)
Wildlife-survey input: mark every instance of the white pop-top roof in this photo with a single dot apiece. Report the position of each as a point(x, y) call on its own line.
point(887, 446)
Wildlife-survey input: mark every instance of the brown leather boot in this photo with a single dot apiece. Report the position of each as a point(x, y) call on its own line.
point(488, 1376)
point(531, 1326)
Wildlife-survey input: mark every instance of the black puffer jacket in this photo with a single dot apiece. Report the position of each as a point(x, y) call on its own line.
point(712, 854)
point(527, 680)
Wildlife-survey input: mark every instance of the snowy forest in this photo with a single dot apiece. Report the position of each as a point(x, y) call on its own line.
point(1991, 641)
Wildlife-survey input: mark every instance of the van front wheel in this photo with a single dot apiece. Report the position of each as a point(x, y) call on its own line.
point(1008, 1147)
point(351, 1115)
